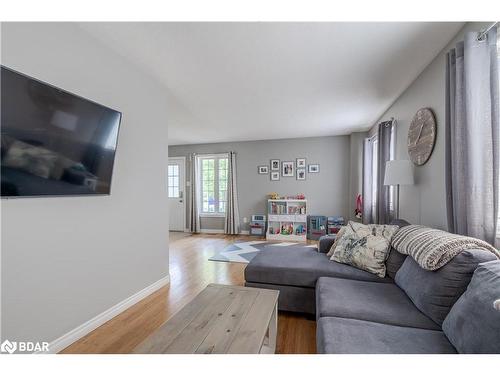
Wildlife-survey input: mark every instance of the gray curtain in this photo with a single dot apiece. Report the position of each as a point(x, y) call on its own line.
point(368, 214)
point(472, 137)
point(232, 222)
point(194, 215)
point(385, 194)
point(381, 209)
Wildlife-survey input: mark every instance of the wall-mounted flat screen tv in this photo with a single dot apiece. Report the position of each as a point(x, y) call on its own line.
point(53, 143)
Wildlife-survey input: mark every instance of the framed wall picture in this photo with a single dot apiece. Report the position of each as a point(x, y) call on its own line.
point(263, 169)
point(301, 173)
point(275, 176)
point(301, 163)
point(275, 165)
point(313, 168)
point(288, 169)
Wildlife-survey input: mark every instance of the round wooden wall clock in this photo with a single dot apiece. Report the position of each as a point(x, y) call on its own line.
point(421, 136)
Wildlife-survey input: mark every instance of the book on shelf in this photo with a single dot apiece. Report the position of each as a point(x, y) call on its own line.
point(278, 209)
point(284, 209)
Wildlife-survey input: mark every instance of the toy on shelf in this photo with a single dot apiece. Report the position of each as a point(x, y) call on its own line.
point(287, 229)
point(273, 195)
point(296, 197)
point(334, 223)
point(276, 196)
point(316, 227)
point(258, 225)
point(300, 230)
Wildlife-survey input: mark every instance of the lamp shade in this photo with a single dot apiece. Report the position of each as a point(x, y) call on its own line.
point(398, 172)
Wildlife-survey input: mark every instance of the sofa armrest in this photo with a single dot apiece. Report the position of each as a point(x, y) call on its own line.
point(325, 243)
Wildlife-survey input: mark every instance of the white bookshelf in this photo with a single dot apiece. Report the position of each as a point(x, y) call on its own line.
point(287, 220)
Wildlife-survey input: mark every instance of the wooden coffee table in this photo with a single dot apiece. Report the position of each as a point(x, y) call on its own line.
point(220, 319)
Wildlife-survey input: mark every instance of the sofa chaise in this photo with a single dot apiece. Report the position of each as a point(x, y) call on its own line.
point(408, 311)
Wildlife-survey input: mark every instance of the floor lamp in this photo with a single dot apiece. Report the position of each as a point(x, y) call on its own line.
point(398, 172)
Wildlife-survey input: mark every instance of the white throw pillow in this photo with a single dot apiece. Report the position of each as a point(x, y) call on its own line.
point(365, 246)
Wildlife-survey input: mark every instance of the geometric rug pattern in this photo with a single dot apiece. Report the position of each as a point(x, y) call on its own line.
point(244, 252)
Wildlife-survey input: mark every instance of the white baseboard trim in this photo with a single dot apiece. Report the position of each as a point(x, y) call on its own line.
point(212, 231)
point(69, 338)
point(186, 230)
point(221, 231)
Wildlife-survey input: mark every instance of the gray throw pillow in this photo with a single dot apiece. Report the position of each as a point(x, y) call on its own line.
point(325, 243)
point(395, 259)
point(399, 222)
point(473, 324)
point(435, 292)
point(394, 262)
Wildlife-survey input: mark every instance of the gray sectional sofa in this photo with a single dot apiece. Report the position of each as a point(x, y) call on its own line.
point(411, 310)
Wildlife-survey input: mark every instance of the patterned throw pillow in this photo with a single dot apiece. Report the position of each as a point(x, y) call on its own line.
point(365, 246)
point(338, 236)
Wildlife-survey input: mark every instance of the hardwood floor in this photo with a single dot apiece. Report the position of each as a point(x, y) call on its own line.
point(190, 272)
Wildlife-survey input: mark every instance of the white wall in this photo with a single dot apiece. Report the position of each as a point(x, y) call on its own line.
point(425, 202)
point(327, 192)
point(65, 260)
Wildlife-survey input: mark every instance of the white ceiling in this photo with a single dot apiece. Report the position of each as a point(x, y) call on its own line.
point(248, 81)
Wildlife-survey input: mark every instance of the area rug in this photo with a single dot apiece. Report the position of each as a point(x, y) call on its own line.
point(244, 252)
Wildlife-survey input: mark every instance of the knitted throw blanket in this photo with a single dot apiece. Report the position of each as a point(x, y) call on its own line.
point(433, 248)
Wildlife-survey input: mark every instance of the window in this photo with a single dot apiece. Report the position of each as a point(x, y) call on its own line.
point(213, 178)
point(173, 181)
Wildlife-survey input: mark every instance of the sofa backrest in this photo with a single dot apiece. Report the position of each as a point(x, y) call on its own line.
point(435, 292)
point(473, 324)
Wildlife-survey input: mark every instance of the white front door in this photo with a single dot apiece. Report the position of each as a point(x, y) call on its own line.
point(175, 190)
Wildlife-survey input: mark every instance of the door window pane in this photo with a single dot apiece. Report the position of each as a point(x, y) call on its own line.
point(173, 181)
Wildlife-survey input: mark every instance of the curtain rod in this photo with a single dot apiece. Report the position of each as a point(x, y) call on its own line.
point(483, 33)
